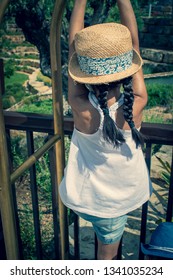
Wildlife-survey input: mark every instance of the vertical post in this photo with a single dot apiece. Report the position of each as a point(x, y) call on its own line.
point(150, 9)
point(145, 205)
point(169, 211)
point(76, 237)
point(6, 200)
point(13, 187)
point(55, 54)
point(34, 194)
point(52, 160)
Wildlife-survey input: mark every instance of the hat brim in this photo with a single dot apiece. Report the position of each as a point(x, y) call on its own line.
point(81, 77)
point(146, 249)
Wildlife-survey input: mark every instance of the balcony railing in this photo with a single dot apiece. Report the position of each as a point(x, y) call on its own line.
point(30, 123)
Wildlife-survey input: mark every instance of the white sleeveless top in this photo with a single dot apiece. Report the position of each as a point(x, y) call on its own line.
point(101, 180)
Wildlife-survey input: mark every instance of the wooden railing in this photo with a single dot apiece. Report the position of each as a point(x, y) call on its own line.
point(29, 123)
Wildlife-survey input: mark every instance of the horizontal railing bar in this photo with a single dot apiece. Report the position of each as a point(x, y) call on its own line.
point(145, 205)
point(34, 122)
point(156, 133)
point(29, 121)
point(33, 158)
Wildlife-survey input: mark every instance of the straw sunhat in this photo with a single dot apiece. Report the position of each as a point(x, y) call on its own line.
point(103, 54)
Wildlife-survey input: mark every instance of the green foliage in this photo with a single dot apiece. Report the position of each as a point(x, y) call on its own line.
point(27, 232)
point(7, 44)
point(18, 149)
point(19, 56)
point(16, 78)
point(165, 176)
point(43, 176)
point(113, 14)
point(47, 6)
point(160, 94)
point(46, 80)
point(39, 106)
point(13, 94)
point(166, 173)
point(9, 69)
point(156, 148)
point(14, 89)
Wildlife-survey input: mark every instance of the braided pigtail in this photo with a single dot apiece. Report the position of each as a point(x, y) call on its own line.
point(111, 133)
point(128, 111)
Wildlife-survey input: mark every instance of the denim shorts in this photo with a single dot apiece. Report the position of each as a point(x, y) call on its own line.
point(108, 230)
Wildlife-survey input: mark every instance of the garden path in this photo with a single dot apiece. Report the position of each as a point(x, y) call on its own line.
point(38, 86)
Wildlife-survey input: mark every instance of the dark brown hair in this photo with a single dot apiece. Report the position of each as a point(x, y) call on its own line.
point(111, 133)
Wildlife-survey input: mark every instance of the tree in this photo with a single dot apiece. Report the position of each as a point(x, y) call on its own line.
point(33, 17)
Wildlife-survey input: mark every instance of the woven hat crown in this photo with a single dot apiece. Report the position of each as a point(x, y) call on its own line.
point(103, 40)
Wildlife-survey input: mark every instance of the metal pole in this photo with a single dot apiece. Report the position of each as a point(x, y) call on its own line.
point(55, 52)
point(6, 199)
point(150, 9)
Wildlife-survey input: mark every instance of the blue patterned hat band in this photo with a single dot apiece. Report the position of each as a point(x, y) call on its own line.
point(105, 66)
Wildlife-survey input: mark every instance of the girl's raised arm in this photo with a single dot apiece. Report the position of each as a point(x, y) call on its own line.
point(76, 22)
point(129, 20)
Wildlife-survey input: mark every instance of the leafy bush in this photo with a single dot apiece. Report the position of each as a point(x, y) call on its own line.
point(166, 171)
point(46, 80)
point(14, 89)
point(6, 103)
point(39, 106)
point(9, 68)
point(114, 14)
point(19, 150)
point(27, 232)
point(160, 95)
point(13, 94)
point(16, 78)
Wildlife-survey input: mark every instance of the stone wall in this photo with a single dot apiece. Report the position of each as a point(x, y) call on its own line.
point(159, 56)
point(157, 33)
point(19, 39)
